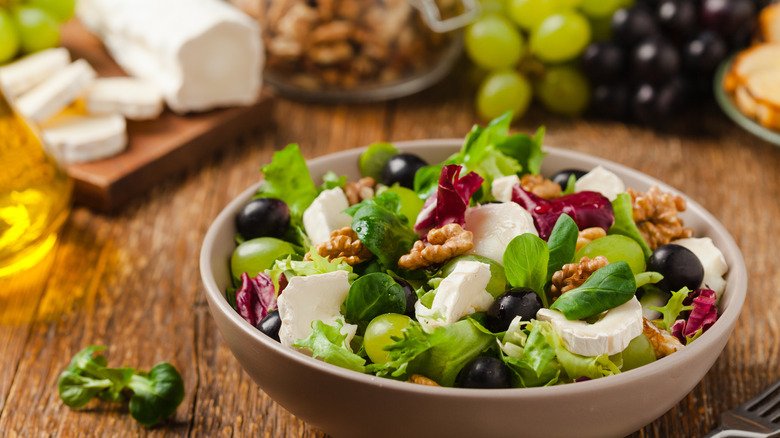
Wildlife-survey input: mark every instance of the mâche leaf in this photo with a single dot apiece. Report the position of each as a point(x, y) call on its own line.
point(372, 295)
point(624, 222)
point(605, 289)
point(525, 263)
point(562, 244)
point(156, 394)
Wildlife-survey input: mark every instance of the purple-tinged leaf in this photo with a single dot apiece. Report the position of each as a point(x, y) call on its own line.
point(255, 298)
point(588, 209)
point(448, 205)
point(703, 315)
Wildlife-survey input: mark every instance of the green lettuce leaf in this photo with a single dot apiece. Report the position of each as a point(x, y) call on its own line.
point(331, 180)
point(624, 222)
point(537, 366)
point(439, 355)
point(671, 311)
point(575, 365)
point(382, 228)
point(287, 178)
point(328, 343)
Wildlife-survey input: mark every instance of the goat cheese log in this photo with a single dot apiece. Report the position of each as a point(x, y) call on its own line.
point(201, 54)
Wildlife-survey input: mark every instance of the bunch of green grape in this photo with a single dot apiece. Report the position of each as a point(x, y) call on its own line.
point(28, 26)
point(530, 48)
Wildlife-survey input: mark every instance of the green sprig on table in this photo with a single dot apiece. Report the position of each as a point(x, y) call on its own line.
point(152, 395)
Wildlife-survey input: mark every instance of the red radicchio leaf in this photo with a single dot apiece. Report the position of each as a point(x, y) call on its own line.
point(255, 298)
point(703, 315)
point(448, 205)
point(588, 209)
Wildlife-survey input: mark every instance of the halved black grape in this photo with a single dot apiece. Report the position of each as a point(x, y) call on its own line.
point(401, 169)
point(263, 217)
point(485, 372)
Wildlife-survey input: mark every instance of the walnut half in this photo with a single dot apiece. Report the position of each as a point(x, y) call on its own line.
point(655, 214)
point(663, 343)
point(443, 244)
point(572, 276)
point(343, 243)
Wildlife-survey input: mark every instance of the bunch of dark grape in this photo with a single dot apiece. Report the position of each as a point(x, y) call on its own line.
point(663, 54)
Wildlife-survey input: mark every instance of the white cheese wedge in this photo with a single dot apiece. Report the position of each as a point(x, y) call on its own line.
point(501, 189)
point(201, 54)
point(602, 181)
point(712, 260)
point(136, 99)
point(76, 138)
point(495, 225)
point(55, 93)
point(313, 298)
point(461, 293)
point(22, 75)
point(610, 335)
point(325, 215)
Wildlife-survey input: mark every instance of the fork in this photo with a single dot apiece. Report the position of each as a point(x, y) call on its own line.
point(759, 417)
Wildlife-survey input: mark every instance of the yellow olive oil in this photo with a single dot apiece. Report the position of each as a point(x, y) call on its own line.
point(34, 194)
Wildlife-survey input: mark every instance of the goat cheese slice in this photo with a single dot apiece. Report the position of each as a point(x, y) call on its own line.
point(55, 93)
point(313, 298)
point(610, 335)
point(495, 225)
point(24, 74)
point(201, 54)
point(136, 99)
point(76, 138)
point(326, 214)
point(459, 294)
point(602, 181)
point(501, 189)
point(712, 260)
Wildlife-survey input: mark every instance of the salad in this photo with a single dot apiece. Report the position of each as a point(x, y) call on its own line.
point(476, 272)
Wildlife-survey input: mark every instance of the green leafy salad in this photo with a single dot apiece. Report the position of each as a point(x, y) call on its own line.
point(476, 272)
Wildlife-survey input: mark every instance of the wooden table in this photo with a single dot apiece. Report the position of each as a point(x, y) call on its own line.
point(131, 281)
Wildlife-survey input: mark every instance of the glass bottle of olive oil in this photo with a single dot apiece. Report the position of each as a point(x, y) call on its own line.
point(34, 194)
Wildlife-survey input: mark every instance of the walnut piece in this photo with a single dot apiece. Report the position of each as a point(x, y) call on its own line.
point(540, 186)
point(443, 244)
point(343, 243)
point(572, 276)
point(589, 235)
point(655, 214)
point(360, 191)
point(421, 380)
point(662, 341)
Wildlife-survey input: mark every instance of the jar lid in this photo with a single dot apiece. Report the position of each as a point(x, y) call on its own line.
point(432, 16)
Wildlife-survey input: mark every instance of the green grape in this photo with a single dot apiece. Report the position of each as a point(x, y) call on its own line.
point(61, 10)
point(411, 204)
point(374, 158)
point(502, 91)
point(37, 29)
point(570, 3)
point(639, 352)
point(9, 37)
point(560, 37)
point(529, 13)
point(615, 248)
point(563, 90)
point(600, 8)
point(493, 42)
point(379, 332)
point(257, 255)
point(497, 284)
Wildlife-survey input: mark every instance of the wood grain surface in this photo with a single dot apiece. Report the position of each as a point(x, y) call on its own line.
point(131, 281)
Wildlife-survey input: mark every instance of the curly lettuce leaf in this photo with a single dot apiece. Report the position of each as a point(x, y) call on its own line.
point(703, 314)
point(287, 178)
point(329, 344)
point(438, 355)
point(673, 308)
point(574, 365)
point(624, 222)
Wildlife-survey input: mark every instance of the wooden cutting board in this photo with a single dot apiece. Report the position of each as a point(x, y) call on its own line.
point(156, 148)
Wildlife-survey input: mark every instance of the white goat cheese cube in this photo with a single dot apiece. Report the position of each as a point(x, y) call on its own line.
point(326, 215)
point(459, 294)
point(602, 181)
point(502, 187)
point(495, 225)
point(313, 298)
